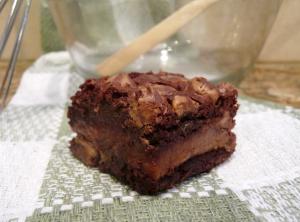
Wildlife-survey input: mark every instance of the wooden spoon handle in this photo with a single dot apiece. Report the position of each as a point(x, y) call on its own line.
point(151, 38)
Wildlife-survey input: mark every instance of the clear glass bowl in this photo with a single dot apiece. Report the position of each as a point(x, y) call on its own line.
point(222, 42)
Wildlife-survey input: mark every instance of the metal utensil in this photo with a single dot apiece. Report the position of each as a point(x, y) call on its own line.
point(15, 10)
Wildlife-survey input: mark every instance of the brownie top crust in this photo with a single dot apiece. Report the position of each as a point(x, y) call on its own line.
point(155, 99)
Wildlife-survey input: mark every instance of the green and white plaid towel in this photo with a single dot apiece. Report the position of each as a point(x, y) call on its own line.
point(41, 181)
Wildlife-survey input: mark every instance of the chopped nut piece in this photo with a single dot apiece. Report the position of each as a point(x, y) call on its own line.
point(184, 105)
point(201, 87)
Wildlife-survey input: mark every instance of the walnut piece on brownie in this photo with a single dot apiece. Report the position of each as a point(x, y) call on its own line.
point(152, 131)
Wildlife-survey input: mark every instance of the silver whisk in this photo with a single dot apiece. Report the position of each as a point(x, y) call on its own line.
point(15, 9)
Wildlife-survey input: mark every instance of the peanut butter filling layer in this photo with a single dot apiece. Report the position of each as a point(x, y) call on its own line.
point(213, 135)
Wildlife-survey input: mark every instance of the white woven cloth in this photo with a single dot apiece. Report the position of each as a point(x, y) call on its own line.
point(264, 172)
point(23, 161)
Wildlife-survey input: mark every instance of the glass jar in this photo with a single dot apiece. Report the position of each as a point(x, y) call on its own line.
point(222, 42)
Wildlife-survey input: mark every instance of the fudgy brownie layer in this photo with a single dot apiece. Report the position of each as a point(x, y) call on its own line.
point(142, 183)
point(194, 166)
point(154, 103)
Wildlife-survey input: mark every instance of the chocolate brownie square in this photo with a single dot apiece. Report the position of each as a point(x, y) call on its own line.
point(152, 131)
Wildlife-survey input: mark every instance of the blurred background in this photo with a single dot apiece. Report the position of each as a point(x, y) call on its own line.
point(282, 44)
point(273, 77)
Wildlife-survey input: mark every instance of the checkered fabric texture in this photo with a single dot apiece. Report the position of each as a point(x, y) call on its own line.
point(42, 181)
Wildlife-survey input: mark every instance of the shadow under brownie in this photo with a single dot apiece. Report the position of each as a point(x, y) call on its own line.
point(152, 131)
